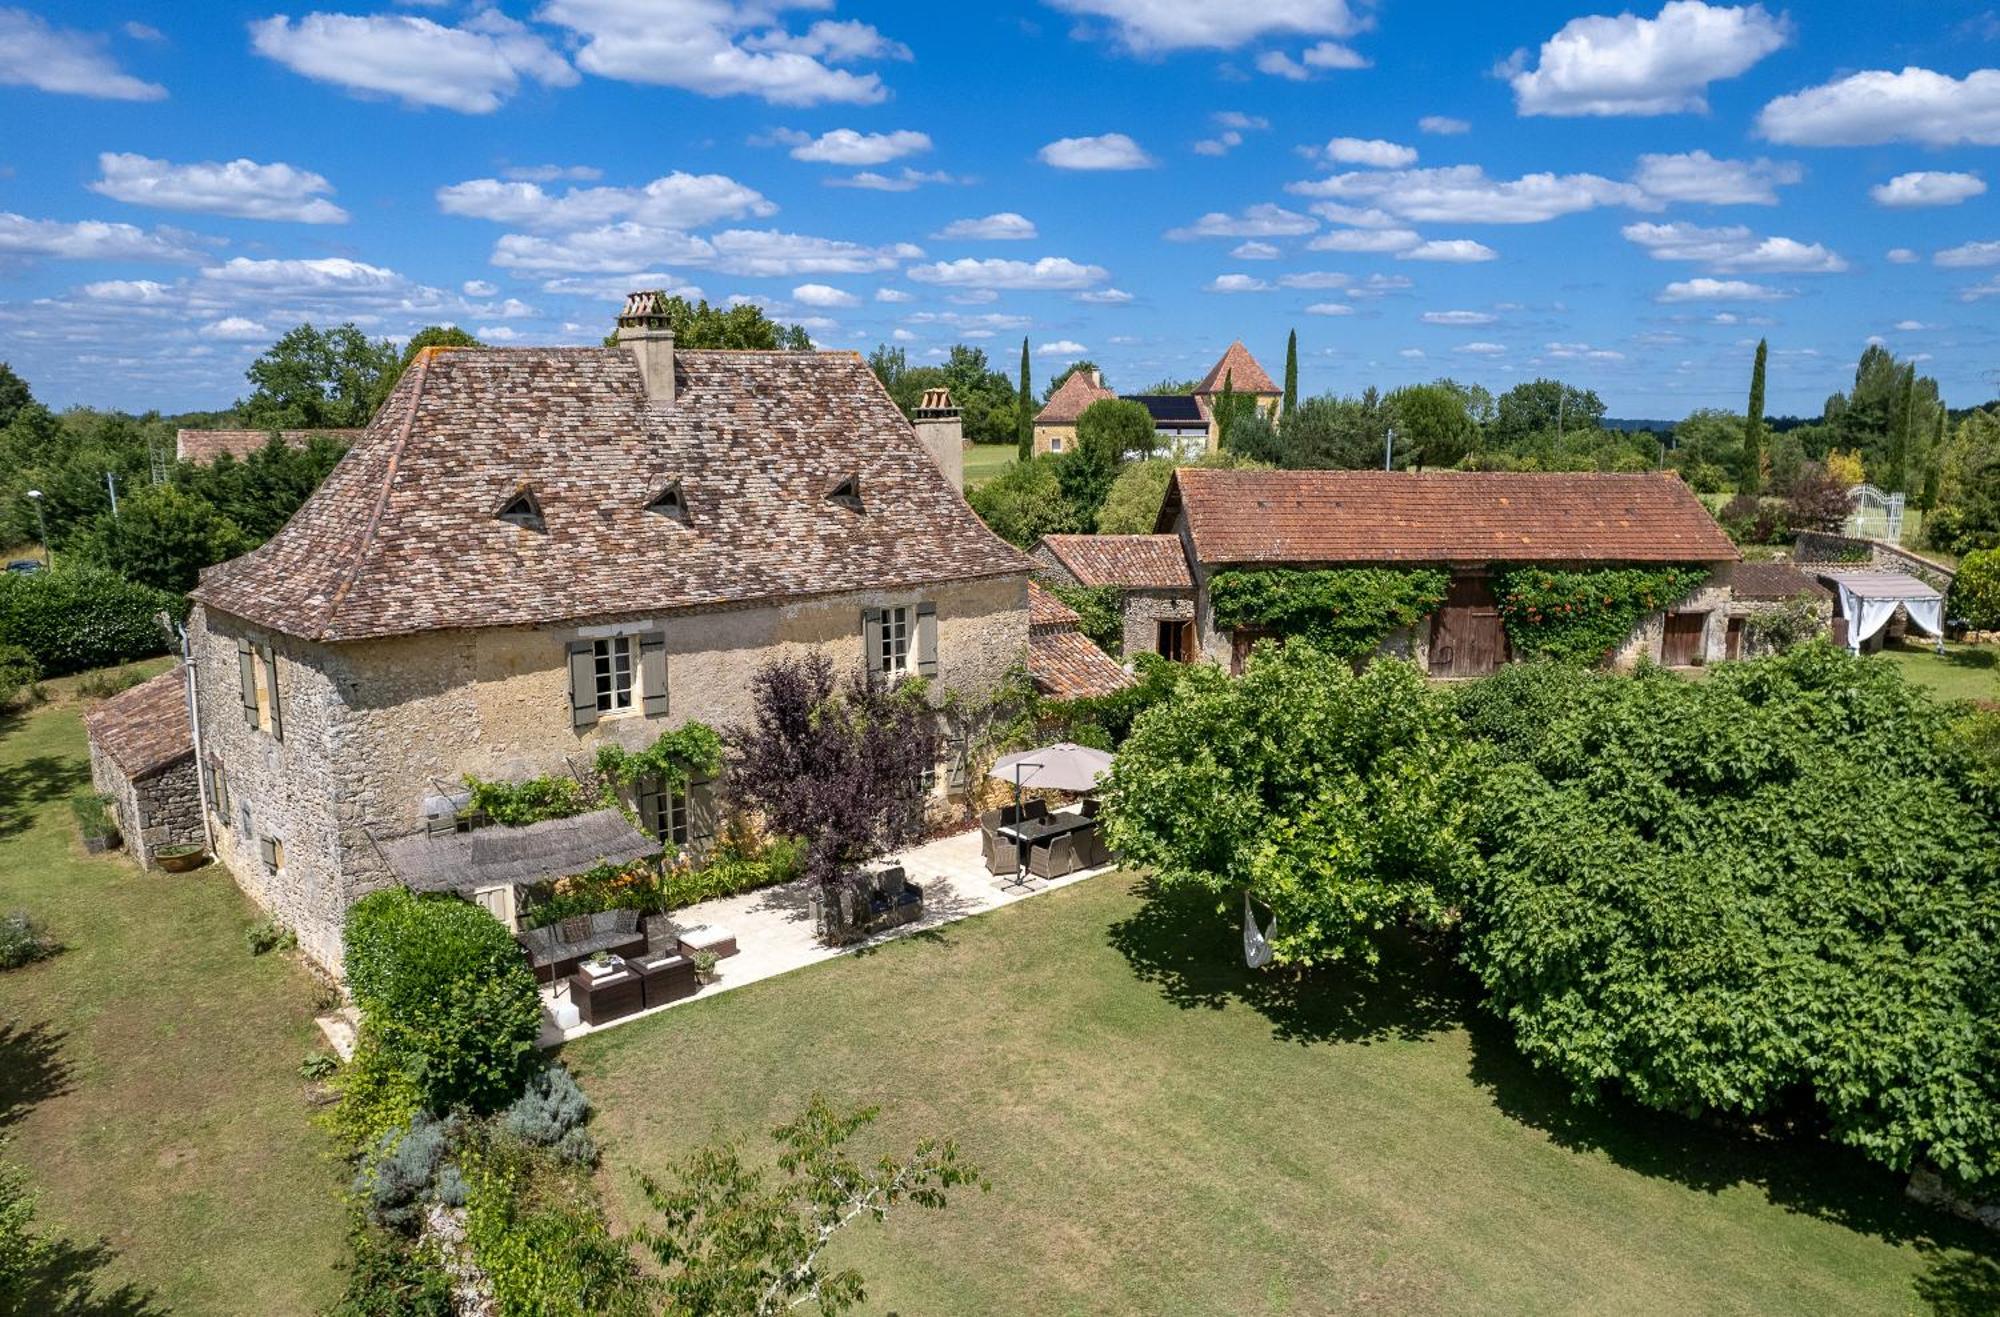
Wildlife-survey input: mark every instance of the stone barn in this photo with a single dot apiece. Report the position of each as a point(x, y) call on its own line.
point(142, 758)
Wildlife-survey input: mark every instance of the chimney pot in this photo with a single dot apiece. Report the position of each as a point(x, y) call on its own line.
point(643, 327)
point(938, 425)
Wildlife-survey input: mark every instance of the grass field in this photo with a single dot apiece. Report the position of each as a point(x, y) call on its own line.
point(1966, 672)
point(985, 461)
point(148, 1076)
point(1167, 1133)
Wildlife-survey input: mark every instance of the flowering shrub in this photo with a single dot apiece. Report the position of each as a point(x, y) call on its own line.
point(1583, 616)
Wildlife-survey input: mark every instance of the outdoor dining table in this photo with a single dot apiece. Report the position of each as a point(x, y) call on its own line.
point(1030, 833)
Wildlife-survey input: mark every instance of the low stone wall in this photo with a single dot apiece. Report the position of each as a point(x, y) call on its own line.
point(1825, 549)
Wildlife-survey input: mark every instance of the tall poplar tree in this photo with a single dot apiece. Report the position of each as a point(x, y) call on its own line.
point(1024, 421)
point(1291, 376)
point(1750, 470)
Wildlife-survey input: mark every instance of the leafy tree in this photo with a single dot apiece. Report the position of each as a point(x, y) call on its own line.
point(1254, 439)
point(314, 379)
point(1819, 500)
point(1969, 515)
point(1291, 394)
point(699, 325)
point(163, 537)
point(262, 491)
point(1433, 424)
point(1170, 385)
point(1878, 416)
point(1026, 501)
point(1109, 429)
point(1975, 591)
point(1750, 466)
point(890, 365)
point(14, 395)
point(1331, 433)
point(727, 1240)
point(1709, 439)
point(1133, 505)
point(1333, 799)
point(986, 401)
point(1845, 467)
point(1540, 405)
point(1024, 411)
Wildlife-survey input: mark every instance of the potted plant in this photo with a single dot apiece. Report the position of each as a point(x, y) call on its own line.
point(95, 820)
point(599, 963)
point(704, 965)
point(180, 858)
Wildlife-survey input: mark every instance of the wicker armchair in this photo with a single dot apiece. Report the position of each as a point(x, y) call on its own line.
point(1054, 860)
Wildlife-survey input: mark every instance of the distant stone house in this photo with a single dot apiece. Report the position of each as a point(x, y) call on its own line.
point(1184, 424)
point(1150, 574)
point(1238, 372)
point(1055, 423)
point(142, 758)
point(1065, 663)
point(203, 447)
point(534, 552)
point(1468, 523)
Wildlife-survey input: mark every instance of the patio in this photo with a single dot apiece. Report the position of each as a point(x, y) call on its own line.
point(775, 935)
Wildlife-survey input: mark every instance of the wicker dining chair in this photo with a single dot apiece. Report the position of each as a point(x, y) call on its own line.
point(1054, 860)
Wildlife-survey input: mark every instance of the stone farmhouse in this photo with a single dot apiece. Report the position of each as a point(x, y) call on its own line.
point(533, 552)
point(1464, 521)
point(1184, 422)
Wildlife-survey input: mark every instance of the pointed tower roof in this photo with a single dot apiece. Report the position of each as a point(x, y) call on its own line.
point(1081, 389)
point(1242, 371)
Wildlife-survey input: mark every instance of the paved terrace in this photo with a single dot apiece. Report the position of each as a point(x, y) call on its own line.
point(774, 932)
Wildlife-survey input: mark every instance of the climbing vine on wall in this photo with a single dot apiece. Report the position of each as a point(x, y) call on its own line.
point(1584, 616)
point(1100, 611)
point(677, 758)
point(1347, 611)
point(687, 753)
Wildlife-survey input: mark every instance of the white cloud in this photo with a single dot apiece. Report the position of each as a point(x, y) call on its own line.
point(1579, 352)
point(1233, 124)
point(1867, 109)
point(1481, 349)
point(1237, 283)
point(1968, 256)
point(988, 322)
point(1062, 347)
point(1050, 272)
point(1464, 194)
point(823, 295)
point(845, 146)
point(1459, 318)
point(1443, 125)
point(1630, 65)
point(1254, 251)
point(496, 333)
point(1107, 151)
point(1280, 65)
point(1315, 279)
point(1457, 251)
point(1733, 250)
point(472, 68)
point(724, 48)
point(236, 329)
point(60, 59)
point(1910, 326)
point(906, 180)
point(478, 288)
point(1371, 151)
point(1411, 354)
point(1333, 55)
point(1991, 288)
point(1928, 187)
point(1260, 221)
point(1720, 290)
point(1105, 297)
point(91, 240)
point(1159, 25)
point(1365, 240)
point(242, 188)
point(615, 248)
point(1001, 226)
point(674, 201)
point(1329, 309)
point(768, 254)
point(1901, 256)
point(893, 295)
point(553, 173)
point(319, 275)
point(1697, 176)
point(902, 336)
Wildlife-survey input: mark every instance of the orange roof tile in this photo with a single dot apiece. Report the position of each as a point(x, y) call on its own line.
point(1240, 369)
point(1066, 665)
point(1132, 562)
point(1068, 401)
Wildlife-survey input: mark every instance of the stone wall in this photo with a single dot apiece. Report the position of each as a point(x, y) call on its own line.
point(161, 809)
point(1145, 609)
point(1826, 550)
point(1048, 436)
point(1648, 637)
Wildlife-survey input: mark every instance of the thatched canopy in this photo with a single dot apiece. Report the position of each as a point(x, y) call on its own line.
point(514, 857)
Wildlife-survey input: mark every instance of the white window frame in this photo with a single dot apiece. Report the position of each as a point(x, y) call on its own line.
point(1055, 443)
point(898, 655)
point(606, 654)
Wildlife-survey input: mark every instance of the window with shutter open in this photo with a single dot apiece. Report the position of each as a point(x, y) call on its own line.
point(274, 717)
point(653, 674)
point(246, 672)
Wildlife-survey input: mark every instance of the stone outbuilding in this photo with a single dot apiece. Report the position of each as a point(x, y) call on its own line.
point(1756, 589)
point(142, 758)
point(1150, 574)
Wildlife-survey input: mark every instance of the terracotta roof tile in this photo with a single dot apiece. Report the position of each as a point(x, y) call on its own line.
point(1773, 580)
point(144, 729)
point(1069, 400)
point(1241, 370)
point(402, 536)
point(1044, 609)
point(204, 446)
point(1301, 517)
point(1066, 665)
point(1132, 562)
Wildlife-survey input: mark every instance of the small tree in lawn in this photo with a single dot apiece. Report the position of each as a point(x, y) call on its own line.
point(841, 763)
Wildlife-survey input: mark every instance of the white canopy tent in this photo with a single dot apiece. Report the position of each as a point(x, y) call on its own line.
point(1869, 599)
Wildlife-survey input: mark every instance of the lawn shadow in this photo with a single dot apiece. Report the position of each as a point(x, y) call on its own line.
point(1194, 954)
point(1960, 1284)
point(63, 1278)
point(34, 782)
point(32, 1069)
point(1800, 1171)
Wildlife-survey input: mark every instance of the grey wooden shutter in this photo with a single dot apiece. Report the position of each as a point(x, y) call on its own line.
point(955, 769)
point(871, 639)
point(651, 804)
point(653, 674)
point(267, 847)
point(246, 671)
point(220, 796)
point(271, 685)
point(702, 813)
point(927, 640)
point(582, 683)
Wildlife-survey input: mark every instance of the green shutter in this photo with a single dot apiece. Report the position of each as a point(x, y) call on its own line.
point(653, 674)
point(246, 671)
point(650, 802)
point(927, 640)
point(271, 685)
point(702, 813)
point(871, 639)
point(582, 683)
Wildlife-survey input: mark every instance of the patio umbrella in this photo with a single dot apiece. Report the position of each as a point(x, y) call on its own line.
point(1064, 766)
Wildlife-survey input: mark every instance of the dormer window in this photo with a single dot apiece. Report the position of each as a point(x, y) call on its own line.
point(523, 510)
point(670, 503)
point(846, 492)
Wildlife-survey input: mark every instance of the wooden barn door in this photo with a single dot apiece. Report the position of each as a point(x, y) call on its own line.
point(1468, 639)
point(1680, 645)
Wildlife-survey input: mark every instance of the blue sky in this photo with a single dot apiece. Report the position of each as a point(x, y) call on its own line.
point(1494, 192)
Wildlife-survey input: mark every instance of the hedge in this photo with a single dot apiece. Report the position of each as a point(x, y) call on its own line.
point(1975, 594)
point(77, 618)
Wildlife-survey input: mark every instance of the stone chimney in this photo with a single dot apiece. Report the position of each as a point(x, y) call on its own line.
point(938, 425)
point(643, 328)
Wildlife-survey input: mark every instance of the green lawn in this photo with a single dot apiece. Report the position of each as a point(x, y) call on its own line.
point(148, 1074)
point(1966, 672)
point(985, 461)
point(1168, 1133)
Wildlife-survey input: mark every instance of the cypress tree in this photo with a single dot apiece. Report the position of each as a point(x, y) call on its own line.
point(1225, 409)
point(1024, 421)
point(1291, 377)
point(1750, 472)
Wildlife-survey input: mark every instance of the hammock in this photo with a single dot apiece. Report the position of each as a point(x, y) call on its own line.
point(1256, 941)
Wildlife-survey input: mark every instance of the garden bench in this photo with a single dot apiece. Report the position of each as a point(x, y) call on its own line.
point(555, 950)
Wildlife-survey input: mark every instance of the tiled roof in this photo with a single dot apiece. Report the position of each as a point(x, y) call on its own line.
point(1305, 517)
point(1044, 609)
point(1066, 665)
point(1241, 370)
point(1068, 401)
point(144, 729)
point(403, 537)
point(1133, 562)
point(1773, 580)
point(204, 446)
